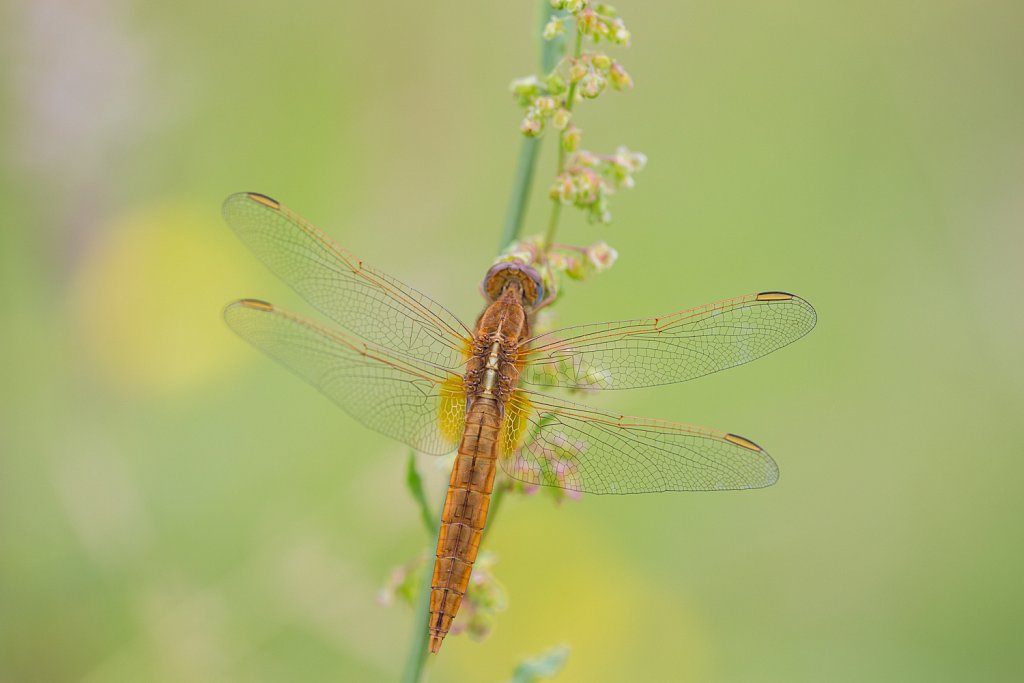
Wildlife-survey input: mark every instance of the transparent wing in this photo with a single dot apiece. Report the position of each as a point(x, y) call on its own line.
point(362, 300)
point(673, 348)
point(550, 442)
point(408, 399)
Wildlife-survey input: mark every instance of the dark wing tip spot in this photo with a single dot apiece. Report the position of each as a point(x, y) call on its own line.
point(744, 442)
point(257, 304)
point(264, 199)
point(775, 296)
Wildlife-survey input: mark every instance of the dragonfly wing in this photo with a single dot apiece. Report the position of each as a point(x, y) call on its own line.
point(361, 299)
point(673, 348)
point(550, 442)
point(405, 398)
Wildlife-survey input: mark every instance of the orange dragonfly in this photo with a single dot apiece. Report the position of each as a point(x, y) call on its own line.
point(403, 365)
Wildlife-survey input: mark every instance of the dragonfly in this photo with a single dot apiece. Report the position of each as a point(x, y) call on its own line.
point(403, 365)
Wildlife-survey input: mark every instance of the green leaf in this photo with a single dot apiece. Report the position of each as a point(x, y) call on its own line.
point(415, 483)
point(547, 665)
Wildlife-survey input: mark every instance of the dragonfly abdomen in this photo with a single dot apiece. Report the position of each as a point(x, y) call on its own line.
point(464, 515)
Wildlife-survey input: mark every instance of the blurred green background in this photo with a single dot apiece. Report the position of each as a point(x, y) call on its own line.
point(175, 507)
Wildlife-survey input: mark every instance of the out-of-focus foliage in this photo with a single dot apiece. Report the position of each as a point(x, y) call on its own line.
point(173, 507)
point(545, 666)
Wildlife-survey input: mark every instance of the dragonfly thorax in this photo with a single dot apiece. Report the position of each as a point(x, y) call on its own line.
point(491, 370)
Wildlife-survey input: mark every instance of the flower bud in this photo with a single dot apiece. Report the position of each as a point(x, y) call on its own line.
point(525, 85)
point(564, 190)
point(531, 125)
point(555, 83)
point(555, 27)
point(592, 85)
point(571, 138)
point(576, 269)
point(588, 23)
point(525, 89)
point(588, 187)
point(602, 256)
point(403, 583)
point(601, 61)
point(633, 161)
point(560, 118)
point(577, 70)
point(620, 79)
point(545, 104)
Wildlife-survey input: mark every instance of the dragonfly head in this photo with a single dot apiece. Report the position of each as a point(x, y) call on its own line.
point(507, 274)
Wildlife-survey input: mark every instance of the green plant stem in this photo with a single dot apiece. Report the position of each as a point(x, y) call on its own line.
point(520, 191)
point(556, 205)
point(551, 52)
point(416, 659)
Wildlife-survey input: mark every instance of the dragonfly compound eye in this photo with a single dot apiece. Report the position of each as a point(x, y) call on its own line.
point(501, 274)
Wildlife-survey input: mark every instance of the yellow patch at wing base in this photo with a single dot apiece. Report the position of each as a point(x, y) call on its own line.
point(451, 412)
point(513, 427)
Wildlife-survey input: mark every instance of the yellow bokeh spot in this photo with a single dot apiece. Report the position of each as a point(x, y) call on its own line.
point(568, 584)
point(146, 300)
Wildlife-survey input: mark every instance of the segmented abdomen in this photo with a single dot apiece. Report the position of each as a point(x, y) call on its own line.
point(465, 511)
